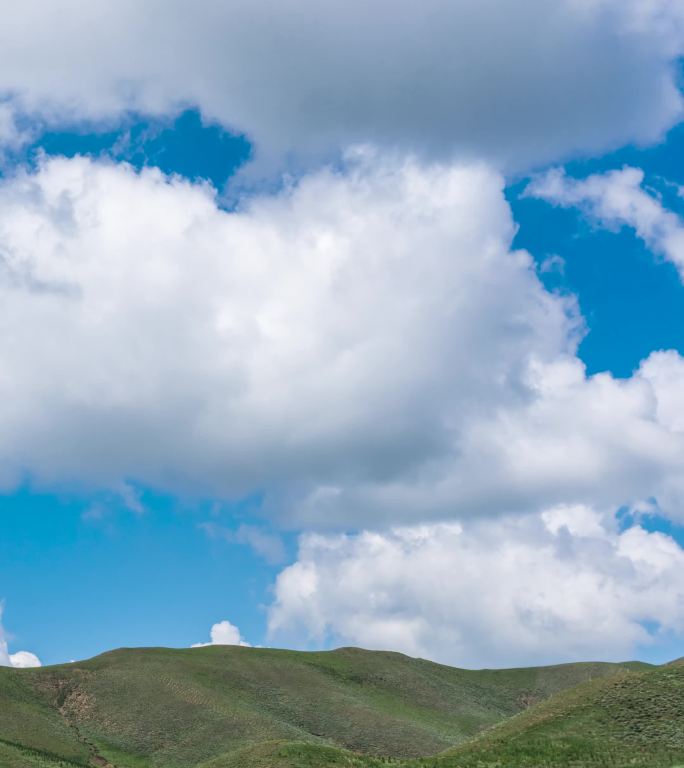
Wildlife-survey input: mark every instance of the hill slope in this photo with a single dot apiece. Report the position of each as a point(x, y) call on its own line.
point(634, 719)
point(226, 706)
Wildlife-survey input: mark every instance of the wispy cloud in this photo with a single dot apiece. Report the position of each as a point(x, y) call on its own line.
point(266, 545)
point(614, 200)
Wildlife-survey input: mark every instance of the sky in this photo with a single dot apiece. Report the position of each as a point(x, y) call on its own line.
point(337, 324)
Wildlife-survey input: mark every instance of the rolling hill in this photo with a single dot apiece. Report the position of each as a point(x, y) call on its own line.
point(630, 719)
point(233, 707)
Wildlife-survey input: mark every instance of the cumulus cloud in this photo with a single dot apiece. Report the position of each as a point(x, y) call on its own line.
point(334, 332)
point(361, 348)
point(20, 659)
point(518, 83)
point(563, 585)
point(570, 438)
point(618, 199)
point(24, 660)
point(224, 633)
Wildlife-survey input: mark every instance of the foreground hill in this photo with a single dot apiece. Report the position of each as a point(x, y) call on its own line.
point(225, 706)
point(630, 719)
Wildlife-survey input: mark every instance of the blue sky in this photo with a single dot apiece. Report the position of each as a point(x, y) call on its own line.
point(631, 305)
point(272, 356)
point(126, 579)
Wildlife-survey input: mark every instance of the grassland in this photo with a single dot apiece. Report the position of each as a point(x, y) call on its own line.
point(231, 707)
point(631, 719)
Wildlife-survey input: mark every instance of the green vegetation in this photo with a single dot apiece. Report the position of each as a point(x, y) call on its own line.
point(232, 707)
point(632, 719)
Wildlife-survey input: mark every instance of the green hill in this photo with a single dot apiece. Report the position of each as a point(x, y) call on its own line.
point(230, 707)
point(630, 719)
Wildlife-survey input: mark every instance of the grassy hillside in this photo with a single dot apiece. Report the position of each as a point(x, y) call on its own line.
point(220, 706)
point(631, 719)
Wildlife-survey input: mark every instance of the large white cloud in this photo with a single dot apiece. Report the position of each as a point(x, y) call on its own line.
point(517, 82)
point(332, 333)
point(361, 348)
point(563, 585)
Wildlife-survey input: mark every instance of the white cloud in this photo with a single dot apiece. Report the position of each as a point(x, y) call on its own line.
point(20, 659)
point(24, 660)
point(332, 333)
point(224, 633)
point(559, 586)
point(569, 439)
point(518, 83)
point(618, 199)
point(362, 348)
